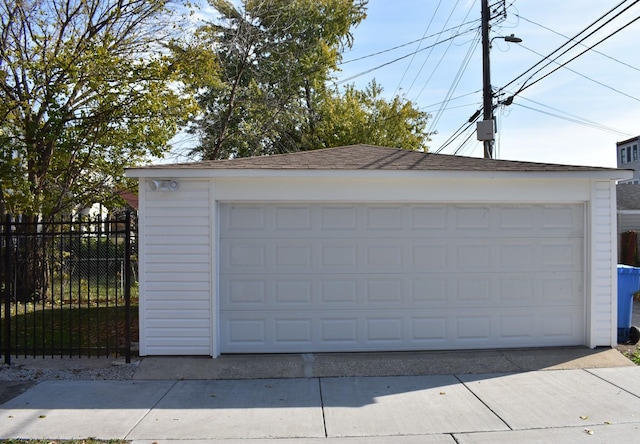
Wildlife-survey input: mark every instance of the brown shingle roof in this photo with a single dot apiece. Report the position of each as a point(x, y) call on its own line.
point(370, 157)
point(130, 198)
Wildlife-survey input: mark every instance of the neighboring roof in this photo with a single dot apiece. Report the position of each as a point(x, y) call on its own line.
point(130, 198)
point(370, 157)
point(628, 196)
point(624, 142)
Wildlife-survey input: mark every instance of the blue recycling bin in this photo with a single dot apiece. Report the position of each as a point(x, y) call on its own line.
point(628, 284)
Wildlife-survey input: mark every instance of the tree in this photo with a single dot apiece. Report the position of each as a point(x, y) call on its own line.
point(354, 116)
point(87, 87)
point(275, 61)
point(273, 57)
point(85, 90)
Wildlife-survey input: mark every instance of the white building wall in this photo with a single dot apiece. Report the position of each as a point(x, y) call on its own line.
point(175, 270)
point(602, 310)
point(396, 190)
point(178, 314)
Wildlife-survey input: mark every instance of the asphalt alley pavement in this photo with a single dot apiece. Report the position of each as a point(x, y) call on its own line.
point(576, 406)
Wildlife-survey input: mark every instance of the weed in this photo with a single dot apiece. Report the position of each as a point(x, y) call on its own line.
point(634, 356)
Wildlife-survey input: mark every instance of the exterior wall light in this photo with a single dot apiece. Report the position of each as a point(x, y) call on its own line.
point(164, 185)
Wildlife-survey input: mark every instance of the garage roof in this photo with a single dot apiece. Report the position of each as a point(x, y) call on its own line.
point(370, 157)
point(373, 158)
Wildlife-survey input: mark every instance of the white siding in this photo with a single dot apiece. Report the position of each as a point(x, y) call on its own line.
point(178, 233)
point(410, 189)
point(603, 307)
point(175, 270)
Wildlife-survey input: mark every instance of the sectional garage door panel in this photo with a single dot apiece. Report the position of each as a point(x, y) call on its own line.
point(328, 277)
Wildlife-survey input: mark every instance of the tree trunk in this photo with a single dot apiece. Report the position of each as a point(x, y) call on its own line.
point(30, 260)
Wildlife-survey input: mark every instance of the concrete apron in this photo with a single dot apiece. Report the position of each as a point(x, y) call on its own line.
point(378, 364)
point(322, 365)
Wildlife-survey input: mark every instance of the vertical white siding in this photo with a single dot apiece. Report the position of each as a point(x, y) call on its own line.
point(603, 301)
point(176, 264)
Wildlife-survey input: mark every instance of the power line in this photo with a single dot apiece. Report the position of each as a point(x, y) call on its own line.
point(611, 129)
point(456, 81)
point(584, 76)
point(461, 70)
point(399, 58)
point(449, 107)
point(464, 142)
point(566, 43)
point(433, 16)
point(573, 118)
point(411, 42)
point(582, 44)
point(579, 121)
point(525, 86)
point(463, 128)
point(453, 98)
point(431, 52)
point(499, 8)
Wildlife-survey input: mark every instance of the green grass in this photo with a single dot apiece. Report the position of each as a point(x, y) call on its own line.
point(89, 291)
point(634, 356)
point(61, 330)
point(84, 317)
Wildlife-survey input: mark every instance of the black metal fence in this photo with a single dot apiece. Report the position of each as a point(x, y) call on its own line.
point(66, 287)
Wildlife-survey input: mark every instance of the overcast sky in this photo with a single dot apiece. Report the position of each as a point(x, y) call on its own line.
point(600, 89)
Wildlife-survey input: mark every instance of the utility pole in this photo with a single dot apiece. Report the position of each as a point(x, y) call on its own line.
point(486, 128)
point(487, 94)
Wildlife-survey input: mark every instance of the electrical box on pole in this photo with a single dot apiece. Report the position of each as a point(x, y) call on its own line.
point(485, 130)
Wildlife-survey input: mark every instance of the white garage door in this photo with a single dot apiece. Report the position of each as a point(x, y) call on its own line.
point(336, 277)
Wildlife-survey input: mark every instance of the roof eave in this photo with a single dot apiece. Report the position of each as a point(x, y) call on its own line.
point(208, 173)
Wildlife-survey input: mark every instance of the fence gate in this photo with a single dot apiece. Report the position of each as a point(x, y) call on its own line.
point(66, 287)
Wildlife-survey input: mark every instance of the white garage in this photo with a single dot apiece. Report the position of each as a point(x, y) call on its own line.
point(368, 248)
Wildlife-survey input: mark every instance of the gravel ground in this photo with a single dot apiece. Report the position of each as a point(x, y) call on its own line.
point(24, 373)
point(72, 369)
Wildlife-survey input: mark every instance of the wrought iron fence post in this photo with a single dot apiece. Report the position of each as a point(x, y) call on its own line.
point(127, 287)
point(8, 278)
